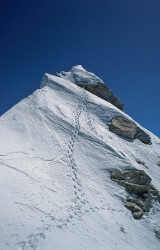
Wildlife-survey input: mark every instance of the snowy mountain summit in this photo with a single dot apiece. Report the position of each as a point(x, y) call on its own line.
point(91, 83)
point(79, 75)
point(76, 171)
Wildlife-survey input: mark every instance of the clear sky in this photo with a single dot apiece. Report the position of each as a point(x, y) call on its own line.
point(118, 40)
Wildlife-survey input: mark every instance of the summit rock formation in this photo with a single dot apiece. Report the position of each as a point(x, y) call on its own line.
point(91, 83)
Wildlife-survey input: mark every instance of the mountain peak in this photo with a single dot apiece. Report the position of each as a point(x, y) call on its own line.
point(89, 81)
point(79, 75)
point(75, 167)
point(80, 67)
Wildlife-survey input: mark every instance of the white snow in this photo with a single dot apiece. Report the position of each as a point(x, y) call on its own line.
point(56, 154)
point(79, 75)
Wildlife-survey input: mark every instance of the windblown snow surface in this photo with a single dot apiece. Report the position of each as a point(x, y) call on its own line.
point(56, 155)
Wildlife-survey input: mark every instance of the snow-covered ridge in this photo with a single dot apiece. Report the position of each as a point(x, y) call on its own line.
point(56, 156)
point(87, 80)
point(79, 75)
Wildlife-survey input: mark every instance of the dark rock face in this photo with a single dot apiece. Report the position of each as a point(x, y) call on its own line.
point(143, 136)
point(158, 163)
point(136, 210)
point(123, 127)
point(101, 90)
point(139, 183)
point(142, 205)
point(142, 163)
point(135, 181)
point(157, 234)
point(154, 193)
point(122, 229)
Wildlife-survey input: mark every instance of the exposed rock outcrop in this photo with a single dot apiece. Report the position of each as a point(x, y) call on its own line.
point(101, 90)
point(158, 163)
point(136, 210)
point(141, 203)
point(122, 229)
point(136, 182)
point(91, 83)
point(123, 127)
point(141, 163)
point(157, 234)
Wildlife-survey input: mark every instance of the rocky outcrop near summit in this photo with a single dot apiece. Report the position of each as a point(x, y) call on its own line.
point(123, 127)
point(101, 90)
point(137, 182)
point(91, 83)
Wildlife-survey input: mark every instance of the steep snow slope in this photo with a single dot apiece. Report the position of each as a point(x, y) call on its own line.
point(56, 155)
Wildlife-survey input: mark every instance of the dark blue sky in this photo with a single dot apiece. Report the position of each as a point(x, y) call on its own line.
point(119, 40)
